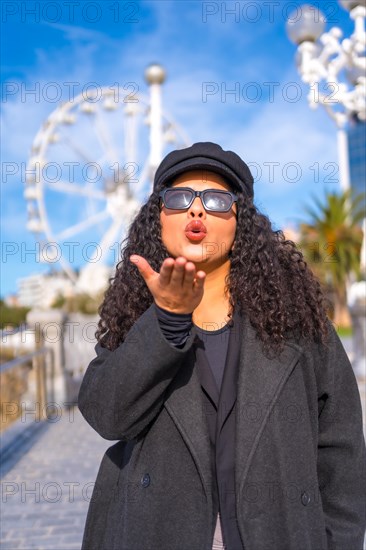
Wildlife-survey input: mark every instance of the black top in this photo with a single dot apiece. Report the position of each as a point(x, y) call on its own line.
point(176, 328)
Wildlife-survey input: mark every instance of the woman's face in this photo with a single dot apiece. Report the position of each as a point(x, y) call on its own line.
point(212, 250)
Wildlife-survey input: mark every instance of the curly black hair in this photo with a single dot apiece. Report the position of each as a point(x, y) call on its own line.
point(269, 280)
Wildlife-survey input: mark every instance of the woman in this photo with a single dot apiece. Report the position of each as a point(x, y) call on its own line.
point(234, 403)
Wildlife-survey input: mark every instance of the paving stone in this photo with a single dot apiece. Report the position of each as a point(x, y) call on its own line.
point(32, 532)
point(16, 525)
point(65, 529)
point(10, 545)
point(5, 535)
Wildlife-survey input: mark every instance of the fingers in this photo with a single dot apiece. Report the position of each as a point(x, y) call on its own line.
point(189, 274)
point(166, 270)
point(143, 266)
point(199, 281)
point(178, 272)
point(183, 273)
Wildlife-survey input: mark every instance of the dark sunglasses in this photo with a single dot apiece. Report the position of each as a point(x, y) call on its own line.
point(213, 200)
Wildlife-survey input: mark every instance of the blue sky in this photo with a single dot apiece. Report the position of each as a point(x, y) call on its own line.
point(208, 49)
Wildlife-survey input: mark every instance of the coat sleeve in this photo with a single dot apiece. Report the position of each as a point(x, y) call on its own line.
point(123, 390)
point(341, 451)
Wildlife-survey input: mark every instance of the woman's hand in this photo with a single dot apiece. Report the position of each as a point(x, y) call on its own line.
point(177, 288)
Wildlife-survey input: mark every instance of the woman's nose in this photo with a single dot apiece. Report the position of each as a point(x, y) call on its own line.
point(196, 209)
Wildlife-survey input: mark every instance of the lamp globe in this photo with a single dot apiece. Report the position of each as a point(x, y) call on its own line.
point(155, 74)
point(305, 24)
point(351, 4)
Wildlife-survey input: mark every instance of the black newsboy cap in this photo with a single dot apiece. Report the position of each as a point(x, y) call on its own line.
point(206, 156)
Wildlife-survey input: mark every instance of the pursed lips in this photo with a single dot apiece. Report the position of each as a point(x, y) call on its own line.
point(196, 226)
point(195, 230)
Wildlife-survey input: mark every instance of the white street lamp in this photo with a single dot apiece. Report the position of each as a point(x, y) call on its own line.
point(326, 62)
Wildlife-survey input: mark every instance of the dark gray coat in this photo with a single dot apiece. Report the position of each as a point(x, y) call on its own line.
point(299, 452)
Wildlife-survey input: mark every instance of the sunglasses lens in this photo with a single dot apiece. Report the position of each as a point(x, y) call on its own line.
point(218, 202)
point(180, 199)
point(177, 198)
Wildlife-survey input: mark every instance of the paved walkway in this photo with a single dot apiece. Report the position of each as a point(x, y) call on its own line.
point(45, 495)
point(47, 489)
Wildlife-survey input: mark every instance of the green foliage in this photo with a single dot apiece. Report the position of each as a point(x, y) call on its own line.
point(331, 242)
point(59, 302)
point(344, 332)
point(332, 238)
point(13, 316)
point(82, 303)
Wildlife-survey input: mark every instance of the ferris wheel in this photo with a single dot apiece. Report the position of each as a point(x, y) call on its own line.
point(91, 166)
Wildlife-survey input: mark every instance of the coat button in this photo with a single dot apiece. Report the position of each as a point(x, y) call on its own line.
point(145, 480)
point(305, 499)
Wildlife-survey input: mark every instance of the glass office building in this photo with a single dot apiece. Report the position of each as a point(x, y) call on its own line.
point(357, 155)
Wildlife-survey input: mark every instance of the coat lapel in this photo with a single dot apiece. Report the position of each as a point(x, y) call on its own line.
point(260, 381)
point(185, 405)
point(228, 393)
point(257, 386)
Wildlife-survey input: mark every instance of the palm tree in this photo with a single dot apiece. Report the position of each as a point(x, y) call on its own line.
point(331, 241)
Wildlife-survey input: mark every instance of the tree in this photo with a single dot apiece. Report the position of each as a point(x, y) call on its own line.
point(12, 316)
point(331, 241)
